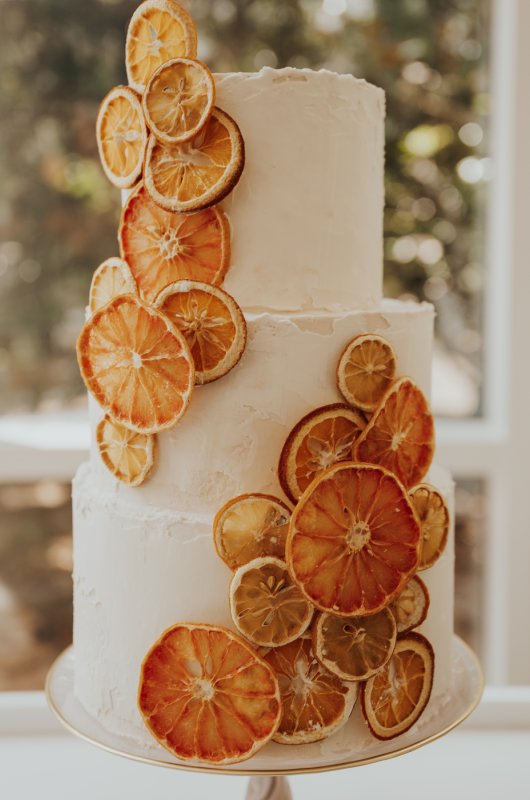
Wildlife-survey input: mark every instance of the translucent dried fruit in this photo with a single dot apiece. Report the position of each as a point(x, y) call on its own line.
point(411, 605)
point(206, 696)
point(112, 278)
point(366, 370)
point(127, 454)
point(121, 135)
point(433, 515)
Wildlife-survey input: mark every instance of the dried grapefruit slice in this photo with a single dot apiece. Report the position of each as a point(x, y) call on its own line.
point(178, 100)
point(353, 540)
point(251, 526)
point(322, 438)
point(163, 246)
point(158, 30)
point(127, 454)
point(433, 515)
point(199, 173)
point(315, 702)
point(366, 370)
point(121, 136)
point(394, 698)
point(411, 605)
point(211, 322)
point(112, 278)
point(355, 648)
point(400, 434)
point(205, 695)
point(266, 605)
point(136, 365)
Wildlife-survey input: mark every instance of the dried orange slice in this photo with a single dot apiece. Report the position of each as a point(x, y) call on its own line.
point(112, 278)
point(158, 30)
point(433, 515)
point(136, 365)
point(163, 246)
point(266, 605)
point(357, 647)
point(127, 454)
point(394, 698)
point(178, 100)
point(251, 526)
point(400, 434)
point(366, 370)
point(315, 702)
point(211, 322)
point(411, 605)
point(121, 136)
point(205, 695)
point(199, 173)
point(353, 540)
point(322, 438)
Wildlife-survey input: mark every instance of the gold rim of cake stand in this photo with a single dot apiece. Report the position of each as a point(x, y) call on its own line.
point(245, 772)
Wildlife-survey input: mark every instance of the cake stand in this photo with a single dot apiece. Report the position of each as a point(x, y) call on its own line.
point(352, 746)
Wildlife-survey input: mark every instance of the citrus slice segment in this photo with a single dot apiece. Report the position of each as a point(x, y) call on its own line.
point(433, 515)
point(315, 702)
point(411, 605)
point(178, 100)
point(158, 31)
point(353, 540)
point(322, 438)
point(136, 365)
point(355, 648)
point(394, 698)
point(266, 605)
point(206, 696)
point(400, 434)
point(199, 173)
point(121, 135)
point(163, 246)
point(112, 278)
point(251, 526)
point(366, 370)
point(211, 322)
point(129, 455)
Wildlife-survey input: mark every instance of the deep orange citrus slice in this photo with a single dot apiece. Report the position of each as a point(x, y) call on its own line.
point(206, 696)
point(366, 370)
point(127, 454)
point(355, 648)
point(199, 173)
point(322, 438)
point(411, 605)
point(433, 515)
point(315, 702)
point(400, 434)
point(158, 30)
point(211, 322)
point(112, 278)
point(121, 136)
point(163, 246)
point(251, 526)
point(353, 540)
point(136, 365)
point(394, 698)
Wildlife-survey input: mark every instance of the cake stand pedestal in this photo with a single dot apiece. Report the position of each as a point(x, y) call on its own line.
point(351, 746)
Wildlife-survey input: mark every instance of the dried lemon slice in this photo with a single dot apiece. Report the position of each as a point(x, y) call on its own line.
point(121, 136)
point(211, 322)
point(366, 370)
point(205, 695)
point(394, 698)
point(322, 438)
point(251, 526)
point(411, 605)
point(355, 648)
point(199, 173)
point(433, 515)
point(127, 454)
point(112, 278)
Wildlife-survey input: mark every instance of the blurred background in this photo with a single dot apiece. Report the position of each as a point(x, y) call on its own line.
point(59, 216)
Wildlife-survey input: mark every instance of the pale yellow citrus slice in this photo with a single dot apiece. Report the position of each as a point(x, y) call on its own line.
point(121, 135)
point(322, 438)
point(198, 173)
point(158, 31)
point(112, 278)
point(394, 698)
point(136, 364)
point(433, 515)
point(251, 526)
point(355, 648)
point(315, 702)
point(129, 455)
point(162, 247)
point(211, 322)
point(366, 370)
point(400, 434)
point(411, 605)
point(206, 696)
point(353, 540)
